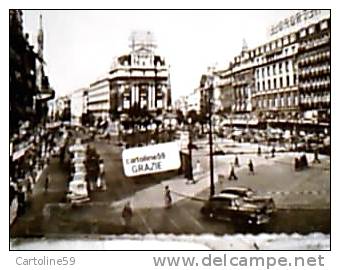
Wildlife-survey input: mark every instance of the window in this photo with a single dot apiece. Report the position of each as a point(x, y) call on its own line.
point(303, 33)
point(281, 82)
point(280, 68)
point(274, 82)
point(287, 66)
point(285, 40)
point(263, 86)
point(268, 70)
point(287, 80)
point(258, 86)
point(257, 73)
point(262, 72)
point(311, 30)
point(295, 79)
point(324, 25)
point(269, 86)
point(292, 38)
point(273, 45)
point(274, 69)
point(279, 43)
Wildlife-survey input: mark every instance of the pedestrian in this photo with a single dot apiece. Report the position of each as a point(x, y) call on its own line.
point(316, 156)
point(21, 201)
point(47, 182)
point(273, 151)
point(304, 161)
point(127, 214)
point(237, 164)
point(251, 167)
point(297, 164)
point(167, 197)
point(259, 151)
point(232, 175)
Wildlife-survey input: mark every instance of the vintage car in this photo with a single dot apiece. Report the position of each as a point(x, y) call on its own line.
point(249, 195)
point(77, 191)
point(233, 208)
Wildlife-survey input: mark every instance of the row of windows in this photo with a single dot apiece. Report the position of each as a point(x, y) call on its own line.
point(278, 102)
point(284, 41)
point(276, 83)
point(273, 69)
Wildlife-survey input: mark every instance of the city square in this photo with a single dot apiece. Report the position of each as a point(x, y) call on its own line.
point(127, 154)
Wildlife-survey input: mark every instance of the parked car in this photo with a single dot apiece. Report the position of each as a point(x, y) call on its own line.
point(249, 195)
point(233, 208)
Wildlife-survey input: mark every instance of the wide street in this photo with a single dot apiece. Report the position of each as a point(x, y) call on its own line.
point(302, 198)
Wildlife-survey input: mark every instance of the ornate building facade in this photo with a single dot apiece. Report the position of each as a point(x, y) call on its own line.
point(140, 78)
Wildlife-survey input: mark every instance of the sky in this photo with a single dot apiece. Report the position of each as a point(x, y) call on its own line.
point(79, 46)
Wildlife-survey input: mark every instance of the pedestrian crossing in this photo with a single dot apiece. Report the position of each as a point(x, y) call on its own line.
point(302, 192)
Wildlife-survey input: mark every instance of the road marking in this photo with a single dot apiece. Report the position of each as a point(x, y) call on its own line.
point(194, 220)
point(173, 223)
point(145, 223)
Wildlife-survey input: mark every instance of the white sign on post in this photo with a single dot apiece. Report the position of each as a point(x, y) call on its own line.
point(151, 159)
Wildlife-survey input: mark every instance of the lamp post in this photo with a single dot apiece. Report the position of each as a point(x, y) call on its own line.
point(212, 184)
point(190, 174)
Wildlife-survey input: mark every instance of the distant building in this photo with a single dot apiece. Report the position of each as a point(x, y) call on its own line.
point(98, 99)
point(193, 101)
point(140, 78)
point(78, 104)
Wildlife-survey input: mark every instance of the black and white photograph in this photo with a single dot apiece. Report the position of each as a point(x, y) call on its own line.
point(208, 128)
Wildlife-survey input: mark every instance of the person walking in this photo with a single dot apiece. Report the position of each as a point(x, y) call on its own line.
point(237, 164)
point(251, 167)
point(127, 214)
point(47, 182)
point(316, 156)
point(167, 197)
point(259, 151)
point(232, 175)
point(273, 151)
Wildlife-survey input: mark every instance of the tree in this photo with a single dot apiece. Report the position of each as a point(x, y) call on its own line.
point(179, 117)
point(193, 116)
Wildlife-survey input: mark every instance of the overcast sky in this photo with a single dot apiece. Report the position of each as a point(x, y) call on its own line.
point(80, 45)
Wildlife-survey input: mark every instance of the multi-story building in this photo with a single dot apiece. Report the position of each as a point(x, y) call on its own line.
point(288, 77)
point(98, 98)
point(224, 98)
point(193, 101)
point(140, 78)
point(313, 63)
point(78, 105)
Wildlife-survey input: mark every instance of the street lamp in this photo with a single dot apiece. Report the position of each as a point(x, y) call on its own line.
point(190, 174)
point(210, 94)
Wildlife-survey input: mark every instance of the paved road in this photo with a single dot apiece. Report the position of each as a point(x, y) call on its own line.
point(45, 216)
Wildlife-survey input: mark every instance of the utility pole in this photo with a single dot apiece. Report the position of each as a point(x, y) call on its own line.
point(212, 184)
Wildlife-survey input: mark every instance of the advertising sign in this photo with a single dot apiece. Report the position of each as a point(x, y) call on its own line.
point(151, 159)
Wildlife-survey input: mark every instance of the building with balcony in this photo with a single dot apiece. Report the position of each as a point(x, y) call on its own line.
point(140, 78)
point(288, 77)
point(313, 63)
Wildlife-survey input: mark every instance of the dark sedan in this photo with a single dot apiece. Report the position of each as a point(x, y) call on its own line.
point(229, 207)
point(249, 195)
